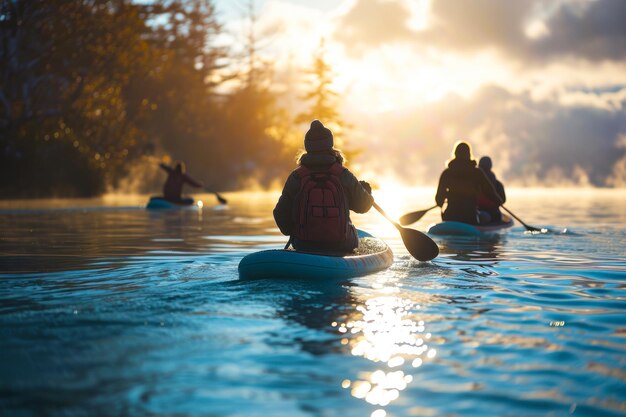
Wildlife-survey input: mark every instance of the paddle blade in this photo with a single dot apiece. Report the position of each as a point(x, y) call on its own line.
point(412, 217)
point(419, 245)
point(527, 227)
point(221, 199)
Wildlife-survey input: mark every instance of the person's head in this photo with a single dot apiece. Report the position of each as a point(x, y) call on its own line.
point(462, 152)
point(179, 167)
point(318, 138)
point(485, 163)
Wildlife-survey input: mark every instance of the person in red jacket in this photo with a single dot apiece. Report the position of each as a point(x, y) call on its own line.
point(460, 185)
point(176, 178)
point(485, 204)
point(314, 207)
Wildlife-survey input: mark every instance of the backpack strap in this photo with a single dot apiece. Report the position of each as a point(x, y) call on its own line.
point(336, 169)
point(302, 172)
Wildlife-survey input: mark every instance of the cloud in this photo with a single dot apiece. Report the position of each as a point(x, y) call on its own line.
point(371, 23)
point(596, 33)
point(479, 24)
point(530, 141)
point(527, 31)
point(536, 84)
point(618, 175)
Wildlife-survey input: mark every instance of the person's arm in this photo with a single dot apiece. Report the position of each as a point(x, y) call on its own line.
point(487, 187)
point(165, 168)
point(359, 198)
point(442, 189)
point(283, 212)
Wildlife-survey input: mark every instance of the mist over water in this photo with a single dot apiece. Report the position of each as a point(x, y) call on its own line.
point(109, 309)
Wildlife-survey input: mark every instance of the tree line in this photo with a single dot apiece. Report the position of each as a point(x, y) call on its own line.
point(94, 92)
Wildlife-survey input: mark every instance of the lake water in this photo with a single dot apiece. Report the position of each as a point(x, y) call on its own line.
point(108, 309)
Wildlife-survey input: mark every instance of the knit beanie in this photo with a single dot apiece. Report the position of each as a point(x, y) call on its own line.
point(318, 138)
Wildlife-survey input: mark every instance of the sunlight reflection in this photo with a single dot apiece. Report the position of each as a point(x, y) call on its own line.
point(379, 413)
point(385, 331)
point(199, 205)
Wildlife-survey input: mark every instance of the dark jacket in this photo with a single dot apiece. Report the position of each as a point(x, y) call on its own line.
point(461, 184)
point(173, 187)
point(359, 199)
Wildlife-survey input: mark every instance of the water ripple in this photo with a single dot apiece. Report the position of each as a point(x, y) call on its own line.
point(119, 311)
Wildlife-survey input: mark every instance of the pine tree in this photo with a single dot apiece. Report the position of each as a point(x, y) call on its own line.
point(324, 101)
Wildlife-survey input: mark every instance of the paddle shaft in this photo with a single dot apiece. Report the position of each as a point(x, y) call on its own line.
point(420, 246)
point(520, 220)
point(219, 197)
point(386, 216)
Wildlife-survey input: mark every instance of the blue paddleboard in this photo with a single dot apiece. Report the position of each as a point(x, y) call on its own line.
point(161, 203)
point(464, 229)
point(372, 255)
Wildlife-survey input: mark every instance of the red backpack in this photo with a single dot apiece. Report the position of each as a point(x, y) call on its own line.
point(321, 213)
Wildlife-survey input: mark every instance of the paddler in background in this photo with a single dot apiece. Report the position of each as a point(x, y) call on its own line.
point(314, 208)
point(176, 178)
point(460, 184)
point(485, 204)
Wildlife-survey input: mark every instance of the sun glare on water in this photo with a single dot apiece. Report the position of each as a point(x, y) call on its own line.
point(385, 330)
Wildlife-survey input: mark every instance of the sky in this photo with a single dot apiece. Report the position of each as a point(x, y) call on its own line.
point(538, 85)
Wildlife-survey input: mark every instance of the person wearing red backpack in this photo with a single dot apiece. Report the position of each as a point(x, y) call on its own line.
point(314, 208)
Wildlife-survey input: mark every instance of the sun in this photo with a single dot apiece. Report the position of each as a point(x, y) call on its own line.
point(391, 195)
point(377, 83)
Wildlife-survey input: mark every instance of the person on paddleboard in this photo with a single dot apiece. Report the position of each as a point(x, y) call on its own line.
point(485, 204)
point(460, 184)
point(314, 208)
point(176, 178)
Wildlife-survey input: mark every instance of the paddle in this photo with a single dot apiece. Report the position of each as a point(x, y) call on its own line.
point(221, 199)
point(529, 228)
point(420, 246)
point(414, 216)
